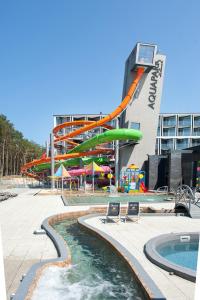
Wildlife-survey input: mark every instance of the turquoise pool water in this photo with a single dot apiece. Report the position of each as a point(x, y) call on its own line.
point(93, 199)
point(97, 272)
point(184, 254)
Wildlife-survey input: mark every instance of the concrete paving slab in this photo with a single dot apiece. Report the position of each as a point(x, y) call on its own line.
point(133, 236)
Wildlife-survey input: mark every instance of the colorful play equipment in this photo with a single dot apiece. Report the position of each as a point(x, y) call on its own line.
point(132, 180)
point(89, 149)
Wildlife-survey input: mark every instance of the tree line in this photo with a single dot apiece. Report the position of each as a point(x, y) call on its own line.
point(15, 150)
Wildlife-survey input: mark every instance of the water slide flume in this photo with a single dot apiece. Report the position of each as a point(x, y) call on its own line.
point(114, 114)
point(108, 136)
point(72, 162)
point(112, 135)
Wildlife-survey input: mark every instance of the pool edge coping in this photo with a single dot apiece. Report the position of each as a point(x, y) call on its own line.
point(27, 285)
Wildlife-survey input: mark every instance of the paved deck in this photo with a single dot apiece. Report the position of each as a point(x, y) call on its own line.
point(20, 216)
point(133, 236)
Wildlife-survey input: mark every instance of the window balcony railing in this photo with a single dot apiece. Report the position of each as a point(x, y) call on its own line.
point(184, 123)
point(181, 145)
point(196, 132)
point(184, 133)
point(167, 147)
point(169, 123)
point(196, 123)
point(169, 133)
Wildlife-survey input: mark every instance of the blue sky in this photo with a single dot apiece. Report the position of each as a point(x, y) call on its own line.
point(64, 56)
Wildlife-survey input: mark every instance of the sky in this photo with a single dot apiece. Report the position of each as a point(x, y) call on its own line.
point(68, 56)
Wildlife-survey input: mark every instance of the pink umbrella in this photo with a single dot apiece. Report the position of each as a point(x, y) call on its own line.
point(78, 172)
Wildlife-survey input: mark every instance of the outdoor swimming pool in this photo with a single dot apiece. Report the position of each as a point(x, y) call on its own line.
point(94, 199)
point(176, 253)
point(181, 253)
point(96, 272)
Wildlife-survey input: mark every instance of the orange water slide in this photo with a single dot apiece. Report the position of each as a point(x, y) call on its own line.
point(88, 126)
point(114, 114)
point(64, 157)
point(80, 122)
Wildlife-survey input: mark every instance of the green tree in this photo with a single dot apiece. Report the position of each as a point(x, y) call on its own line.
point(15, 150)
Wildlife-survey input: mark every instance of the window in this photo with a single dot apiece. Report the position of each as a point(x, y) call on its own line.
point(195, 142)
point(169, 131)
point(135, 125)
point(181, 144)
point(196, 131)
point(196, 121)
point(185, 121)
point(169, 121)
point(146, 54)
point(184, 131)
point(166, 144)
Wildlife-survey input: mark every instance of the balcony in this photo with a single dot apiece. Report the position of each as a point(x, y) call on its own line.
point(182, 144)
point(169, 123)
point(169, 132)
point(195, 142)
point(196, 122)
point(167, 144)
point(184, 131)
point(167, 147)
point(196, 132)
point(184, 121)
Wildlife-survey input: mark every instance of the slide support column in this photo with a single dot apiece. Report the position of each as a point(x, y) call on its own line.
point(117, 157)
point(52, 162)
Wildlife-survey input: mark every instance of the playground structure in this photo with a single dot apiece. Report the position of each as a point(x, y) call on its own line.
point(79, 154)
point(132, 180)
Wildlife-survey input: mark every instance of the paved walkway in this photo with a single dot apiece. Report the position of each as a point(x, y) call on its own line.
point(133, 236)
point(19, 217)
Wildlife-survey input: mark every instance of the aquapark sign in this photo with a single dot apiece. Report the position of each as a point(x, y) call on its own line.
point(155, 76)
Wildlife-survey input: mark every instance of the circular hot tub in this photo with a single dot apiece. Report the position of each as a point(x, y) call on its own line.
point(175, 252)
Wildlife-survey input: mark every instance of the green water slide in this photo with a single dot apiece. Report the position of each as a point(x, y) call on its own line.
point(108, 136)
point(72, 162)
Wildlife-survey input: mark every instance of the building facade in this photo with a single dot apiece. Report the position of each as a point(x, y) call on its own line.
point(177, 131)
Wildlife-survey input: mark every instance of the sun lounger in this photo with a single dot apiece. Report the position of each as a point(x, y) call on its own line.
point(133, 211)
point(113, 212)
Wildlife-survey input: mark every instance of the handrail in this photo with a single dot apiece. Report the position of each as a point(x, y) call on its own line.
point(185, 195)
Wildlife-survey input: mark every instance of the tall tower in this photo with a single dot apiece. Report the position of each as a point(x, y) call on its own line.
point(143, 111)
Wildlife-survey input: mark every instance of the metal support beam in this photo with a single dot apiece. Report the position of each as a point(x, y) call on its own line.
point(117, 157)
point(52, 162)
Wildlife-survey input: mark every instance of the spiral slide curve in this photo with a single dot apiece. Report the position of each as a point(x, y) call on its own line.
point(76, 150)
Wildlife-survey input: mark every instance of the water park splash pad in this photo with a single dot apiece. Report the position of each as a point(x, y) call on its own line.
point(92, 147)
